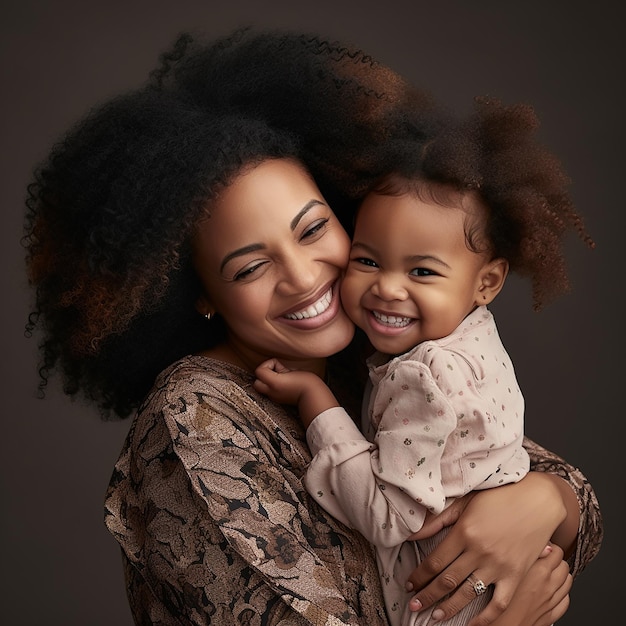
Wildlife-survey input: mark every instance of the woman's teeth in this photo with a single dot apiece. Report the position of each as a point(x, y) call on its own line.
point(315, 309)
point(392, 320)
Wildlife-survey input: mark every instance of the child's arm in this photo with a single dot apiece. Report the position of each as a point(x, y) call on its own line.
point(302, 389)
point(384, 489)
point(345, 456)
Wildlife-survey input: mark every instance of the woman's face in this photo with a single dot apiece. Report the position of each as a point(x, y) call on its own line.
point(269, 257)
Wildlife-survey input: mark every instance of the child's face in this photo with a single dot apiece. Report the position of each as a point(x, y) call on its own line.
point(411, 276)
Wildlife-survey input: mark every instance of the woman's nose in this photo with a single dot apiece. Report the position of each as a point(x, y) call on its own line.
point(389, 287)
point(299, 275)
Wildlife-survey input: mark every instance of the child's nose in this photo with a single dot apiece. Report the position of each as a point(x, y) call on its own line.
point(390, 287)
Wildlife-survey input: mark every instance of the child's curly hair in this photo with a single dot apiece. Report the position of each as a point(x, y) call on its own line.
point(494, 152)
point(111, 211)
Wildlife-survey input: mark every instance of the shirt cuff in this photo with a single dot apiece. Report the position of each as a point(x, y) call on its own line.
point(331, 427)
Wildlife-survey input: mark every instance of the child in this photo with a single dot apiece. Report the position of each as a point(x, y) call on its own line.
point(432, 247)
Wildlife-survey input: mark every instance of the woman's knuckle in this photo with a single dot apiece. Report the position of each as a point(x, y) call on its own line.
point(433, 565)
point(499, 604)
point(449, 582)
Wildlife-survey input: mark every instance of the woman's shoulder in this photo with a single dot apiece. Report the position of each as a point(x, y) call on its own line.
point(198, 391)
point(201, 374)
point(199, 380)
point(205, 366)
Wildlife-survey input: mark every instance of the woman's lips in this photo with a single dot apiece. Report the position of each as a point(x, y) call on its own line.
point(313, 310)
point(317, 313)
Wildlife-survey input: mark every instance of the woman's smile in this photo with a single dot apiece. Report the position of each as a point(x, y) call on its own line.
point(313, 310)
point(270, 264)
point(319, 312)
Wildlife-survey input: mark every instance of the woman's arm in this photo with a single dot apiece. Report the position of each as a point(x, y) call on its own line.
point(207, 504)
point(583, 527)
point(499, 534)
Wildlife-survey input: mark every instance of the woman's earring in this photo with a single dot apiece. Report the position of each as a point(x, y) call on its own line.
point(208, 316)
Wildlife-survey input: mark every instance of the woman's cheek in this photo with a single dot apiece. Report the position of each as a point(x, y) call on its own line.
point(348, 292)
point(341, 244)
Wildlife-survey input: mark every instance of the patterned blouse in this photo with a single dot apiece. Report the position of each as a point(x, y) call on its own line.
point(215, 526)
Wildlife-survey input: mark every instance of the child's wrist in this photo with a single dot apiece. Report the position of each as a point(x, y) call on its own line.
point(313, 402)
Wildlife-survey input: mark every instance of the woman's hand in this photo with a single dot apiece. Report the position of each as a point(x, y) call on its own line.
point(498, 535)
point(543, 595)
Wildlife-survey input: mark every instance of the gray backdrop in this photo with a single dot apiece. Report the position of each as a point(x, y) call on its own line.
point(566, 58)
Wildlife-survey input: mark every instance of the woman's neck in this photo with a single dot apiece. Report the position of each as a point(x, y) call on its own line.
point(249, 360)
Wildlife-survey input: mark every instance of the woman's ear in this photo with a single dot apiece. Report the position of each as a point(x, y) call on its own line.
point(491, 281)
point(203, 306)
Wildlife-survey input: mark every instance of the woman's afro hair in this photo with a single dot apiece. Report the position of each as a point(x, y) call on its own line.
point(111, 211)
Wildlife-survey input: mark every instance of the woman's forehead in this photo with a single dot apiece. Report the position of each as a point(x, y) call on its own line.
point(271, 195)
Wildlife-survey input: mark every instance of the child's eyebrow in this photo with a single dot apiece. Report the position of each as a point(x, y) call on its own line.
point(420, 258)
point(364, 246)
point(417, 258)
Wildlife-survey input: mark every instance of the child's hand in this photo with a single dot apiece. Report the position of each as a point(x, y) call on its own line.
point(302, 389)
point(279, 383)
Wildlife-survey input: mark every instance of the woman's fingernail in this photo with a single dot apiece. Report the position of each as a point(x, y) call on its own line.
point(415, 604)
point(438, 614)
point(408, 586)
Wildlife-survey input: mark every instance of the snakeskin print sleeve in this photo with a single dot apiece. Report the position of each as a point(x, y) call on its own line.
point(590, 527)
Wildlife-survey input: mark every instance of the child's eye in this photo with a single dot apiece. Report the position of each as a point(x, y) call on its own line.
point(365, 261)
point(314, 228)
point(422, 271)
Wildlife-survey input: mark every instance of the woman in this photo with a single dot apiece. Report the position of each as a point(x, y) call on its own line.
point(186, 228)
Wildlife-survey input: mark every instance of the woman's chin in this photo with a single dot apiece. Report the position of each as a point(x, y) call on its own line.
point(334, 338)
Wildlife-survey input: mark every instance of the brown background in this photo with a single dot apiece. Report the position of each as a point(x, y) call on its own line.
point(566, 58)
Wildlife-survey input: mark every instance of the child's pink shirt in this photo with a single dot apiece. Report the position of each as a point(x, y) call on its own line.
point(442, 420)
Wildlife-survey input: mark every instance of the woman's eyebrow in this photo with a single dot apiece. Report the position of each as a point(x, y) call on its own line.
point(253, 247)
point(307, 207)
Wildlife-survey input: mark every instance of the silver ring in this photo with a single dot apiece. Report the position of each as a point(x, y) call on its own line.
point(477, 584)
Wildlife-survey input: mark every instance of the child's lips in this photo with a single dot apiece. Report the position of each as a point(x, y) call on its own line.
point(392, 320)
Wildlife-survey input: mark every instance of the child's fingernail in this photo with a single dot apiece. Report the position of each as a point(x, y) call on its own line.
point(438, 614)
point(548, 549)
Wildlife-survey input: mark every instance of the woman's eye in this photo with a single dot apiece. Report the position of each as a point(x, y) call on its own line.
point(314, 228)
point(247, 271)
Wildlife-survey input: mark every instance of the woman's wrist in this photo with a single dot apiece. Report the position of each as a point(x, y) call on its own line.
point(566, 533)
